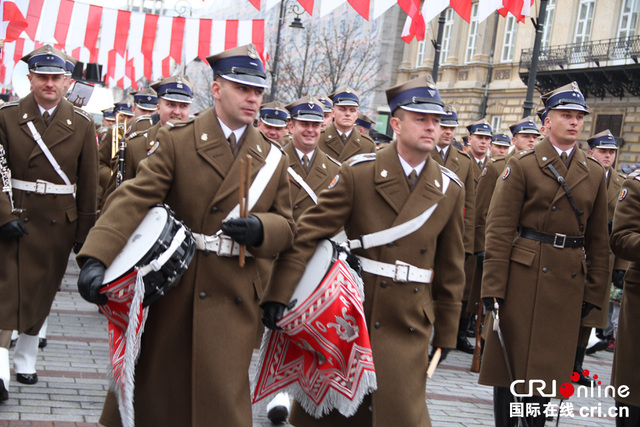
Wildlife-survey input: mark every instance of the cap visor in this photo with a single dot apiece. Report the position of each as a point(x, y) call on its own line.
point(347, 103)
point(150, 107)
point(274, 122)
point(246, 79)
point(575, 107)
point(425, 109)
point(530, 131)
point(177, 98)
point(449, 124)
point(309, 118)
point(48, 70)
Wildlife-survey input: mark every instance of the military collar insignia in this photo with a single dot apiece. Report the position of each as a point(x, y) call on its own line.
point(204, 137)
point(384, 173)
point(259, 149)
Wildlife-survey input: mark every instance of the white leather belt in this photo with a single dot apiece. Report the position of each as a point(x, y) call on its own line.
point(221, 244)
point(43, 187)
point(400, 272)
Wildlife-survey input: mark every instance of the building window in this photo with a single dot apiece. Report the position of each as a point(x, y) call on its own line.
point(585, 19)
point(548, 24)
point(613, 122)
point(473, 34)
point(509, 44)
point(496, 122)
point(420, 56)
point(446, 35)
point(628, 18)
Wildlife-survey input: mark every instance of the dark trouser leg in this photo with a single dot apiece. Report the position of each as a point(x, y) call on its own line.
point(462, 343)
point(577, 367)
point(502, 399)
point(536, 402)
point(633, 420)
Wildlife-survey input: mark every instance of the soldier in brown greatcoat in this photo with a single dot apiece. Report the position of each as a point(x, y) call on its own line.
point(341, 140)
point(57, 207)
point(273, 121)
point(625, 243)
point(603, 148)
point(556, 270)
point(198, 339)
point(174, 105)
point(371, 193)
point(459, 162)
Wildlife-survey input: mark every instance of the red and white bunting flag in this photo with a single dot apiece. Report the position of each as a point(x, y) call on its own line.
point(191, 33)
point(381, 6)
point(77, 32)
point(307, 5)
point(204, 39)
point(148, 42)
point(362, 7)
point(107, 35)
point(487, 7)
point(255, 3)
point(93, 29)
point(63, 22)
point(8, 62)
point(162, 49)
point(177, 37)
point(33, 17)
point(328, 6)
point(13, 23)
point(462, 8)
point(136, 32)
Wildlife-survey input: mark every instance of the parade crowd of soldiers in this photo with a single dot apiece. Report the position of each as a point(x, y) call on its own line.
point(532, 244)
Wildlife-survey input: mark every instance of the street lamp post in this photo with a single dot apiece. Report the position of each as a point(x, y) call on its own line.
point(533, 71)
point(284, 6)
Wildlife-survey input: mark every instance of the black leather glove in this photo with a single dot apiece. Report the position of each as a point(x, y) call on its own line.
point(443, 354)
point(90, 281)
point(76, 247)
point(272, 312)
point(246, 231)
point(13, 229)
point(586, 309)
point(488, 303)
point(617, 278)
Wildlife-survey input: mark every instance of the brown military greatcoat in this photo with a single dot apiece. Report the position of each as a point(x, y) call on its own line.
point(333, 146)
point(370, 196)
point(543, 286)
point(625, 242)
point(31, 268)
point(322, 169)
point(198, 339)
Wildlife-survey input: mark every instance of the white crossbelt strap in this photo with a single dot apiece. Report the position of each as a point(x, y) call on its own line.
point(221, 244)
point(260, 183)
point(42, 187)
point(47, 153)
point(400, 272)
point(399, 231)
point(303, 184)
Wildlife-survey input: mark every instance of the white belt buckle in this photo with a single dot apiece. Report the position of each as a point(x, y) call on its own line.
point(225, 245)
point(41, 187)
point(401, 274)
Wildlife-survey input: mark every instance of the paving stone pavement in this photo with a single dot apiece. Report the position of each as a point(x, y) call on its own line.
point(72, 372)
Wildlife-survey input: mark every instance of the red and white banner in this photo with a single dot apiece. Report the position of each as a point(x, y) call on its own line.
point(129, 45)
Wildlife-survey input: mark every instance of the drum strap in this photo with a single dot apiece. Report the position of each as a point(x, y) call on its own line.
point(260, 182)
point(47, 153)
point(156, 264)
point(300, 180)
point(399, 231)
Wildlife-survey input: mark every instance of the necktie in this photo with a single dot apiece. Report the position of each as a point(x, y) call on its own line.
point(563, 157)
point(343, 137)
point(480, 164)
point(232, 142)
point(411, 179)
point(47, 118)
point(442, 155)
point(305, 163)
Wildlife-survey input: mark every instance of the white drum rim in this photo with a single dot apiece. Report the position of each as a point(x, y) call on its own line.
point(146, 233)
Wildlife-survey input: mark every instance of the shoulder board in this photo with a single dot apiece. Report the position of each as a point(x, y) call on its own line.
point(361, 158)
point(525, 152)
point(367, 137)
point(272, 142)
point(634, 175)
point(9, 104)
point(83, 114)
point(143, 117)
point(333, 160)
point(178, 123)
point(463, 153)
point(134, 134)
point(451, 174)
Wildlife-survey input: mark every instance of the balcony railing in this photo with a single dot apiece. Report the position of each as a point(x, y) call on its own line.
point(597, 52)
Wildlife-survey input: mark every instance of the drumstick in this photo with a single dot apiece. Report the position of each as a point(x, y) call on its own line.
point(245, 178)
point(434, 362)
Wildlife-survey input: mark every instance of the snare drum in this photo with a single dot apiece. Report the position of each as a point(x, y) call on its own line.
point(161, 248)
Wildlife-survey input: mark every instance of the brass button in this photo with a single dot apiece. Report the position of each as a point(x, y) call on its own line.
point(203, 295)
point(295, 207)
point(423, 250)
point(412, 329)
point(573, 275)
point(415, 289)
point(376, 325)
point(238, 300)
point(383, 284)
point(554, 208)
point(26, 220)
point(214, 209)
point(53, 222)
point(544, 269)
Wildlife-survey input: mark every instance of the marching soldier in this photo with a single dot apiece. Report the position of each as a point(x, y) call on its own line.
point(480, 134)
point(198, 341)
point(50, 150)
point(341, 140)
point(500, 144)
point(553, 198)
point(625, 239)
point(364, 124)
point(273, 121)
point(175, 95)
point(460, 163)
point(371, 193)
point(145, 104)
point(327, 108)
point(604, 149)
point(524, 135)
